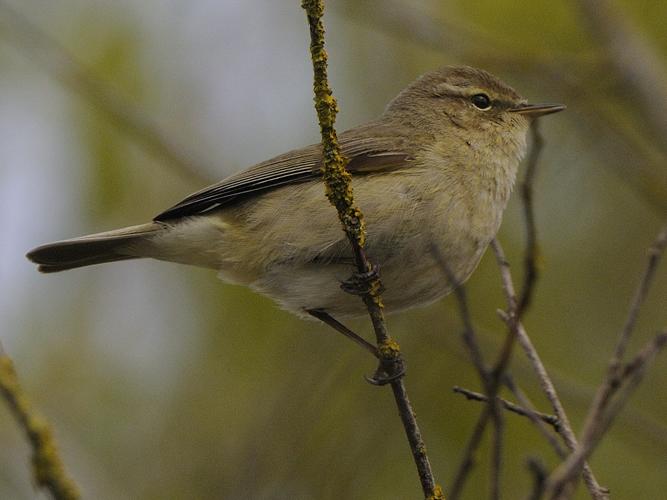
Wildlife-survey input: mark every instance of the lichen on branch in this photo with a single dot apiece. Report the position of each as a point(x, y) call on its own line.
point(337, 179)
point(48, 469)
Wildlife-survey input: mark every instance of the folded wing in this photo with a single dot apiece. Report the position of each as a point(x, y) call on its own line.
point(370, 149)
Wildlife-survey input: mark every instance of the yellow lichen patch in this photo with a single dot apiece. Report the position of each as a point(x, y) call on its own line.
point(389, 349)
point(438, 494)
point(337, 179)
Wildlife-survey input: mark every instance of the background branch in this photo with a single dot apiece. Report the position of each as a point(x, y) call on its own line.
point(493, 378)
point(597, 492)
point(47, 467)
point(638, 67)
point(558, 482)
point(619, 378)
point(509, 406)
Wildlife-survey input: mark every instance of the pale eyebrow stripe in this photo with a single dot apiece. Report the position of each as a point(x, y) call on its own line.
point(449, 89)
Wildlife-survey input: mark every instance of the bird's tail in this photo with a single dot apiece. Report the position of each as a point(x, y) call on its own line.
point(120, 244)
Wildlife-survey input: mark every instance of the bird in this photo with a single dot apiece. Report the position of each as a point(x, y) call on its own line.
point(432, 176)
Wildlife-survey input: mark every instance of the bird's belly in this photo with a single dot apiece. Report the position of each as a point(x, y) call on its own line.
point(416, 274)
point(424, 243)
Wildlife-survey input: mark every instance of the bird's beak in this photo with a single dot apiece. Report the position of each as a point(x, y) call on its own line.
point(535, 110)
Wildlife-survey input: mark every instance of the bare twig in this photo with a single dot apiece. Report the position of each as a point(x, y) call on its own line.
point(599, 415)
point(509, 406)
point(468, 460)
point(611, 381)
point(539, 474)
point(655, 252)
point(569, 437)
point(634, 371)
point(339, 192)
point(47, 466)
point(544, 429)
point(496, 447)
point(55, 59)
point(531, 256)
point(469, 336)
point(492, 411)
point(516, 306)
point(492, 379)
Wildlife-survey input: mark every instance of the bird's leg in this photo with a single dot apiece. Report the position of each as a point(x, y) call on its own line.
point(326, 318)
point(390, 368)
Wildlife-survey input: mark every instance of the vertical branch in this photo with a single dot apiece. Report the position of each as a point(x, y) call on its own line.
point(531, 256)
point(492, 379)
point(339, 192)
point(47, 467)
point(491, 411)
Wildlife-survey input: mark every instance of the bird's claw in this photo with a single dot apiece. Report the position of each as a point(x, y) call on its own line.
point(363, 283)
point(387, 372)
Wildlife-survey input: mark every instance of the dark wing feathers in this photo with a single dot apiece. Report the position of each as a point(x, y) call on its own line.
point(369, 149)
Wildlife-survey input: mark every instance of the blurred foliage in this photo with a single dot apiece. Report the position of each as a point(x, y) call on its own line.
point(162, 382)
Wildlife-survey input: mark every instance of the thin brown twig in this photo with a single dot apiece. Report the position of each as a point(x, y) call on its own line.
point(47, 466)
point(655, 253)
point(63, 66)
point(339, 192)
point(596, 491)
point(539, 473)
point(566, 473)
point(492, 379)
point(552, 420)
point(496, 447)
point(544, 429)
point(531, 256)
point(594, 426)
point(469, 337)
point(492, 411)
point(468, 461)
point(517, 307)
point(611, 380)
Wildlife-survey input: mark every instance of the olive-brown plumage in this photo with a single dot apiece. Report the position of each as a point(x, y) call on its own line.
point(432, 175)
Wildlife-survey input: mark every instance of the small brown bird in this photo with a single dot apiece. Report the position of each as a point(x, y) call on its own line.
point(432, 176)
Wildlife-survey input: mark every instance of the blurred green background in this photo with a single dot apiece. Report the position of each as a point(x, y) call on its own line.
point(162, 382)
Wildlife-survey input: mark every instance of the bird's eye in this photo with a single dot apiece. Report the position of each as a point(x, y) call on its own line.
point(481, 101)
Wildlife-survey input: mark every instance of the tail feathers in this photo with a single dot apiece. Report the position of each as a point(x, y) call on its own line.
point(121, 244)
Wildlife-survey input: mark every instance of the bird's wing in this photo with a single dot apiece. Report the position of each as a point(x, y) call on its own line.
point(369, 149)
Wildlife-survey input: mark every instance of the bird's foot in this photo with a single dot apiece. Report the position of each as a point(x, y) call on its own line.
point(387, 372)
point(391, 367)
point(363, 283)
